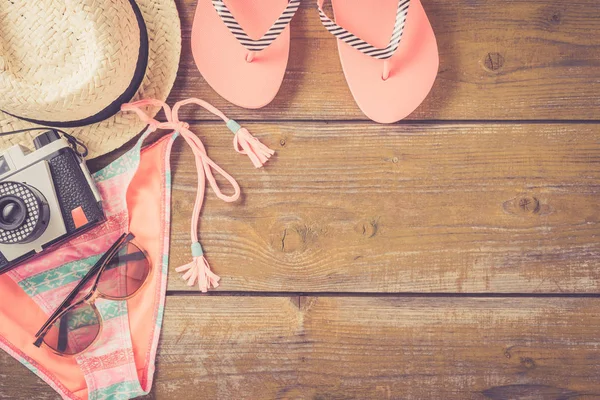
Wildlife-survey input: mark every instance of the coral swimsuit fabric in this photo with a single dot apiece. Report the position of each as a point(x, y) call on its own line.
point(136, 197)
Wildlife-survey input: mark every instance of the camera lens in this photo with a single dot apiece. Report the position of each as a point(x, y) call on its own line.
point(24, 213)
point(12, 213)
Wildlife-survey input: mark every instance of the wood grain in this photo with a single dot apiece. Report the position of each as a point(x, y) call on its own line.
point(414, 208)
point(479, 206)
point(534, 59)
point(368, 348)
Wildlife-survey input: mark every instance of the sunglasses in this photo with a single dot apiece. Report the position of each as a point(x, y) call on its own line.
point(118, 275)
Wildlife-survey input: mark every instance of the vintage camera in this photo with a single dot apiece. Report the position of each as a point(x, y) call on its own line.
point(46, 197)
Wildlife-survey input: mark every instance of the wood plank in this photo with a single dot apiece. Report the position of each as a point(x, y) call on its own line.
point(426, 208)
point(536, 59)
point(367, 348)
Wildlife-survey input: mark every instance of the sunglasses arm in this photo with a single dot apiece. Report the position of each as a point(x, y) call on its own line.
point(42, 333)
point(92, 272)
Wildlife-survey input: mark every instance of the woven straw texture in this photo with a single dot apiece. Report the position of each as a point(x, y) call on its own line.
point(66, 60)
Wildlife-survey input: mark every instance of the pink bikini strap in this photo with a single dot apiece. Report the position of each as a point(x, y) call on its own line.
point(244, 143)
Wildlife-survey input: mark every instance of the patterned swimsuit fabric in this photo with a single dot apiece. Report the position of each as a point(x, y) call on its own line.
point(136, 197)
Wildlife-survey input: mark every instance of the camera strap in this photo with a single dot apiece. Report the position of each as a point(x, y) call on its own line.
point(77, 145)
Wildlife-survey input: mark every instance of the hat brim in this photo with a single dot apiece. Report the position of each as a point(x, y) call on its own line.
point(164, 34)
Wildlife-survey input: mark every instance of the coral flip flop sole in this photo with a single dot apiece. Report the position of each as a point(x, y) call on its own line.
point(250, 81)
point(412, 68)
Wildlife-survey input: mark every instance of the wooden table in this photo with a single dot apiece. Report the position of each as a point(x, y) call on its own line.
point(455, 255)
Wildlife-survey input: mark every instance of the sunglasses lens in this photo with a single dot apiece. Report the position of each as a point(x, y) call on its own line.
point(75, 331)
point(125, 274)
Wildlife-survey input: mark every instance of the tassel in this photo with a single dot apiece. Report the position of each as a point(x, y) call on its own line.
point(199, 269)
point(245, 143)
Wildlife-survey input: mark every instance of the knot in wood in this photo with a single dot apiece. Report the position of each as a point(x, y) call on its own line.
point(528, 362)
point(367, 229)
point(493, 62)
point(528, 204)
point(292, 240)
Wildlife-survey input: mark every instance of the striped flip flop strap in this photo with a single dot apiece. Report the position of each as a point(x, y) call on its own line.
point(363, 46)
point(272, 34)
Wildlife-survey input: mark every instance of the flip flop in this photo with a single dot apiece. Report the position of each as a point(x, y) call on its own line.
point(239, 49)
point(389, 78)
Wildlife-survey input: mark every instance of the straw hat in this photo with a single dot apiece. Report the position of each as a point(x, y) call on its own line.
point(70, 64)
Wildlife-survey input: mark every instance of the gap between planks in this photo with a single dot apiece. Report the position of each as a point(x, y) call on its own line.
point(182, 293)
point(242, 121)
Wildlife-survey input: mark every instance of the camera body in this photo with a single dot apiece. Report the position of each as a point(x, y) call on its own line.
point(46, 197)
